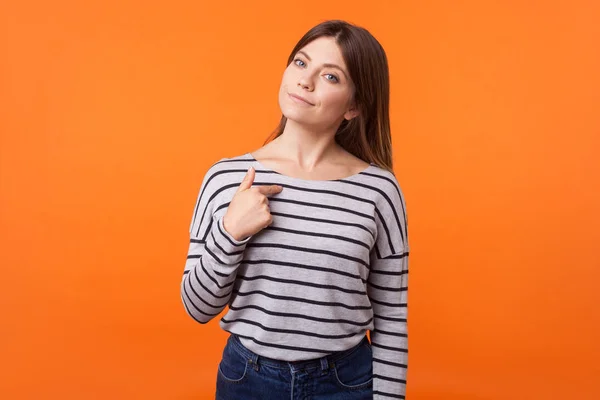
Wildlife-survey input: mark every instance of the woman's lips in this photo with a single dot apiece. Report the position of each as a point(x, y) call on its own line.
point(299, 99)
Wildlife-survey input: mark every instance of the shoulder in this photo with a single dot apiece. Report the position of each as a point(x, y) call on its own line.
point(390, 212)
point(219, 182)
point(223, 176)
point(232, 162)
point(227, 170)
point(386, 184)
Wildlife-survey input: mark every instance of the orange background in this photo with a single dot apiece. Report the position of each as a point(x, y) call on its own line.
point(111, 113)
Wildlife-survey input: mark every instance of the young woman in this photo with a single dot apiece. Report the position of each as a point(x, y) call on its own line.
point(305, 239)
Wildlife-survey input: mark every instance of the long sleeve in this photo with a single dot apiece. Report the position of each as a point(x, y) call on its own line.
point(213, 256)
point(388, 292)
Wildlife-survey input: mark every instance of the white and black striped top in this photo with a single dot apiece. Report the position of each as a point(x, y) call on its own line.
point(332, 265)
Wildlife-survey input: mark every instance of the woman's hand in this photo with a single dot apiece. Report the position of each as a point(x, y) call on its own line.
point(248, 212)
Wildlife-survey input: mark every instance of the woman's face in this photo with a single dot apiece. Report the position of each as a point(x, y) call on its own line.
point(319, 75)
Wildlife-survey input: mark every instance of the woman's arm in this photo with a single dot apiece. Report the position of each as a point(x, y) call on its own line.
point(387, 288)
point(388, 292)
point(213, 257)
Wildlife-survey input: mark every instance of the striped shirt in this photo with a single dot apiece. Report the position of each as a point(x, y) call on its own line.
point(332, 265)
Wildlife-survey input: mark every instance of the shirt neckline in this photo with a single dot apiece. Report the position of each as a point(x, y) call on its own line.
point(264, 167)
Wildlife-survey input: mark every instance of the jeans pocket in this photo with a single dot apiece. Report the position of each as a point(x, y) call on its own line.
point(355, 371)
point(233, 366)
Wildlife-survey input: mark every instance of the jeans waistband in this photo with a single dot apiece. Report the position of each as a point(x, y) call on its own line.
point(322, 362)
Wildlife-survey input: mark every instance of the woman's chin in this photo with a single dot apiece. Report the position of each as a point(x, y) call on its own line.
point(298, 118)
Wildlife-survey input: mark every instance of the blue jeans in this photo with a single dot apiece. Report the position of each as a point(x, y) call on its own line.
point(345, 375)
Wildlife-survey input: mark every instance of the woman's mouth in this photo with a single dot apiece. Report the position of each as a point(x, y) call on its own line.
point(300, 99)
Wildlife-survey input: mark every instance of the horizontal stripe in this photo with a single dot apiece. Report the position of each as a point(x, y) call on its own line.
point(401, 350)
point(288, 331)
point(393, 364)
point(390, 395)
point(300, 283)
point(386, 378)
point(299, 300)
point(301, 316)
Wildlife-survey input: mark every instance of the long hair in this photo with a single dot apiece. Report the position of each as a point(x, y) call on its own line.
point(367, 136)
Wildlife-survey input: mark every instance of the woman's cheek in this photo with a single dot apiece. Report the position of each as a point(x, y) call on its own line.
point(333, 102)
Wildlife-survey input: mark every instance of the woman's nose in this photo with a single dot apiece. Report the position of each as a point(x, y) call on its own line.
point(305, 83)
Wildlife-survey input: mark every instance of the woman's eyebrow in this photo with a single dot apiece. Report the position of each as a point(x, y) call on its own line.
point(328, 65)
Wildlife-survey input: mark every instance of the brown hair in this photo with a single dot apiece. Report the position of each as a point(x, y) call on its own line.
point(366, 136)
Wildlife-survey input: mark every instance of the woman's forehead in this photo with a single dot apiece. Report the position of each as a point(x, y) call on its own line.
point(324, 50)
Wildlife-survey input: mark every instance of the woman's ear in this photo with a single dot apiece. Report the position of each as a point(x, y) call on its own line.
point(352, 112)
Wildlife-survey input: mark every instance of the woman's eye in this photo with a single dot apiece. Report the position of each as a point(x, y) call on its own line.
point(335, 79)
point(330, 77)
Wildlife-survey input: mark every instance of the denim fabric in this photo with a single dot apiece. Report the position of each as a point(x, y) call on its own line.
point(345, 375)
